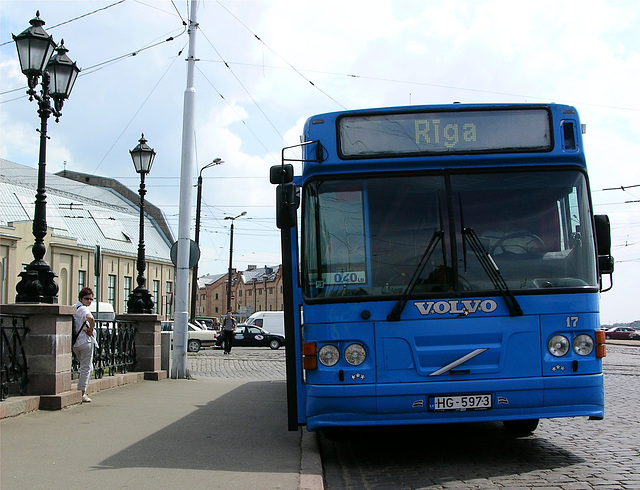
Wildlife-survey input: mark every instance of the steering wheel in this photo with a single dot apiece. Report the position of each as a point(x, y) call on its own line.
point(519, 242)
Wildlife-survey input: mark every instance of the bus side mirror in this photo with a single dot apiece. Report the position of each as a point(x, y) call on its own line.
point(603, 242)
point(281, 174)
point(605, 263)
point(287, 203)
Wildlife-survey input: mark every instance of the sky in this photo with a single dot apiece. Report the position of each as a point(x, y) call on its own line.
point(264, 67)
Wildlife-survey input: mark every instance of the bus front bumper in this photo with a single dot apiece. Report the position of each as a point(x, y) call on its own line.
point(412, 403)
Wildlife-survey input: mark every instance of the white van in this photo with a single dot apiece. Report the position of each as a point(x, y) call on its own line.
point(105, 311)
point(271, 321)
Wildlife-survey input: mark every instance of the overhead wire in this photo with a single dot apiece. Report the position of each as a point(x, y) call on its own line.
point(136, 113)
point(130, 54)
point(236, 112)
point(255, 102)
point(290, 66)
point(75, 18)
point(623, 226)
point(280, 57)
point(227, 64)
point(242, 85)
point(93, 68)
point(422, 84)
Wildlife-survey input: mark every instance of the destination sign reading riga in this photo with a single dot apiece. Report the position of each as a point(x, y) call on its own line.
point(471, 131)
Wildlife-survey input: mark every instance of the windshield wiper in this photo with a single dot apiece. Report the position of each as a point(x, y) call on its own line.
point(402, 301)
point(492, 270)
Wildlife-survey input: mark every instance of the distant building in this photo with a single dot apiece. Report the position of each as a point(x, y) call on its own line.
point(256, 289)
point(209, 302)
point(84, 211)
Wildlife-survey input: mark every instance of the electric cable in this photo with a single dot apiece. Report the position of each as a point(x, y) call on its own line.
point(280, 57)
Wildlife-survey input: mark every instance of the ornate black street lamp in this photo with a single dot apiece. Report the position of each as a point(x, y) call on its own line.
point(140, 300)
point(232, 218)
point(194, 285)
point(35, 49)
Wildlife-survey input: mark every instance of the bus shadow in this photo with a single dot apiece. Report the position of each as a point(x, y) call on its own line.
point(419, 456)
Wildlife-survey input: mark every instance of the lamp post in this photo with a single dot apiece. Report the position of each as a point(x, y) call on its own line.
point(194, 281)
point(266, 301)
point(140, 299)
point(243, 213)
point(254, 280)
point(35, 49)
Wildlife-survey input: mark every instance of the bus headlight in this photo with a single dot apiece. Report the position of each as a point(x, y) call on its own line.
point(355, 354)
point(558, 345)
point(583, 345)
point(328, 355)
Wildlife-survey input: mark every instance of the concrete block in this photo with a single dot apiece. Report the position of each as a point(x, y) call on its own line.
point(155, 375)
point(17, 405)
point(60, 401)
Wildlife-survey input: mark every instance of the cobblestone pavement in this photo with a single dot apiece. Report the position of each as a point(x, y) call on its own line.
point(260, 363)
point(571, 453)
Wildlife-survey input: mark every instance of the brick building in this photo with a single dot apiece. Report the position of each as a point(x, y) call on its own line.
point(255, 289)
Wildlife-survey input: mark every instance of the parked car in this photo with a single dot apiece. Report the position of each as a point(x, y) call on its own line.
point(105, 311)
point(207, 322)
point(622, 333)
point(250, 336)
point(199, 324)
point(197, 337)
point(271, 321)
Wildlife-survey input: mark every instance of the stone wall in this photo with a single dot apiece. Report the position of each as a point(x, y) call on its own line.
point(47, 346)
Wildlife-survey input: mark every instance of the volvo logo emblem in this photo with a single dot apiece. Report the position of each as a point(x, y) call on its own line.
point(462, 307)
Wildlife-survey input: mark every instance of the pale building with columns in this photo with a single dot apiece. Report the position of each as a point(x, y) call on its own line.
point(84, 212)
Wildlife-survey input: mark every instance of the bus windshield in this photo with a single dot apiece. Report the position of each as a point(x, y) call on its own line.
point(369, 237)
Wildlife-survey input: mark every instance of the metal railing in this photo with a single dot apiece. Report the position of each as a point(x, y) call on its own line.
point(14, 370)
point(116, 351)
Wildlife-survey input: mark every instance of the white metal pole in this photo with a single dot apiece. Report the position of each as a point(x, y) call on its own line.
point(179, 367)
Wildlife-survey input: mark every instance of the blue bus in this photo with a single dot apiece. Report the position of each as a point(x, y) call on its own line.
point(442, 264)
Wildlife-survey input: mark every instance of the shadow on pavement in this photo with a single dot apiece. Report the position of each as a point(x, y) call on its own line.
point(417, 456)
point(244, 430)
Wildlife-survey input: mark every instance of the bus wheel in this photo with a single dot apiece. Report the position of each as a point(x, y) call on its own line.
point(520, 427)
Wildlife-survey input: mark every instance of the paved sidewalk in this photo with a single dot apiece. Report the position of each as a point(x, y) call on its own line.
point(202, 433)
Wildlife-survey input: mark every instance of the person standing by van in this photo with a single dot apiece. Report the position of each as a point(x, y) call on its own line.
point(83, 325)
point(228, 332)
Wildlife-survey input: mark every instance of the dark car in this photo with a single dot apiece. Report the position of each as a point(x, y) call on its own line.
point(622, 333)
point(251, 336)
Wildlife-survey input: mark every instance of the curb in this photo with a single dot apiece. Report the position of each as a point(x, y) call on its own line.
point(311, 462)
point(17, 405)
point(14, 406)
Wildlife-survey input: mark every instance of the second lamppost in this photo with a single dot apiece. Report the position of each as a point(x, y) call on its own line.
point(194, 280)
point(232, 218)
point(140, 300)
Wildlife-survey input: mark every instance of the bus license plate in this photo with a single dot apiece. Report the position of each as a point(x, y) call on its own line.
point(460, 403)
